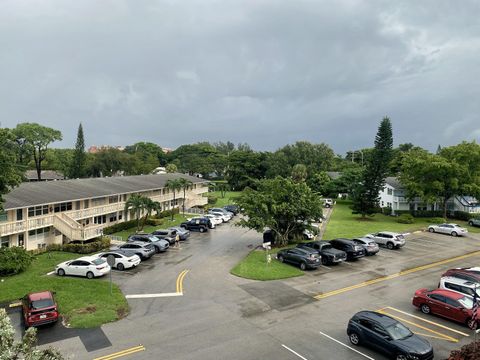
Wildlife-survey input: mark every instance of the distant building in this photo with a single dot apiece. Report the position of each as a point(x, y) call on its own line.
point(46, 175)
point(166, 150)
point(95, 149)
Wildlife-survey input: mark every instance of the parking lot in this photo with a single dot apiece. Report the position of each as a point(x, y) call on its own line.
point(216, 315)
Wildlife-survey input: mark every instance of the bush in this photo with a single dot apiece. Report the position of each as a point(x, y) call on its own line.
point(82, 248)
point(461, 215)
point(166, 213)
point(406, 219)
point(14, 260)
point(467, 352)
point(212, 199)
point(120, 227)
point(437, 220)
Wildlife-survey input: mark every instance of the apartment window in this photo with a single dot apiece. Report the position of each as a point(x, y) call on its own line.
point(37, 211)
point(3, 216)
point(120, 216)
point(66, 206)
point(39, 232)
point(77, 205)
point(113, 217)
point(41, 246)
point(85, 204)
point(21, 240)
point(102, 219)
point(113, 199)
point(4, 241)
point(98, 201)
point(382, 204)
point(389, 191)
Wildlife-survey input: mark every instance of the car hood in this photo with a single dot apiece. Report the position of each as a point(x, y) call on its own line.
point(162, 242)
point(414, 344)
point(332, 252)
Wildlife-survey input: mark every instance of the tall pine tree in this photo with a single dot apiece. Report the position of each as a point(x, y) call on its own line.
point(77, 168)
point(365, 194)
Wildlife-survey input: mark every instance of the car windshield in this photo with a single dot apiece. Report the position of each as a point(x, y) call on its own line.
point(398, 331)
point(466, 302)
point(98, 261)
point(152, 238)
point(42, 303)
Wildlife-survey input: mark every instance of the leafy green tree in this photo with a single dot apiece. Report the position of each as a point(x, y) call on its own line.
point(184, 185)
point(147, 156)
point(299, 173)
point(398, 154)
point(25, 349)
point(365, 194)
point(36, 138)
point(58, 160)
point(149, 206)
point(347, 182)
point(174, 185)
point(135, 203)
point(77, 167)
point(10, 174)
point(109, 162)
point(320, 183)
point(244, 168)
point(195, 158)
point(171, 168)
point(279, 204)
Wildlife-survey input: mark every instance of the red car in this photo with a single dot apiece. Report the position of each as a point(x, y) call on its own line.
point(470, 274)
point(446, 303)
point(39, 308)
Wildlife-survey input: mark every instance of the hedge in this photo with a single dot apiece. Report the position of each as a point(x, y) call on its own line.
point(82, 248)
point(167, 213)
point(406, 219)
point(14, 260)
point(130, 224)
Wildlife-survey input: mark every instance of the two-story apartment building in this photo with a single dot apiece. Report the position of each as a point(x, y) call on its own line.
point(55, 212)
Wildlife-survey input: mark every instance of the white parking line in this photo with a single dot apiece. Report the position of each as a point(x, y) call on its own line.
point(326, 267)
point(145, 296)
point(339, 342)
point(51, 272)
point(294, 352)
point(418, 241)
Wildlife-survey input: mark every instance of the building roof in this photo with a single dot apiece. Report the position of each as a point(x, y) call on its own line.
point(49, 192)
point(334, 174)
point(393, 182)
point(31, 175)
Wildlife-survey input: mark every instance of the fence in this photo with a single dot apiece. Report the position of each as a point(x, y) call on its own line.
point(195, 211)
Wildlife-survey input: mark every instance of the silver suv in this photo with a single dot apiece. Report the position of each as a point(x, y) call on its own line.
point(460, 286)
point(387, 238)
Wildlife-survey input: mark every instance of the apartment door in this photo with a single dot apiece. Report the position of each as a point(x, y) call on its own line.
point(19, 214)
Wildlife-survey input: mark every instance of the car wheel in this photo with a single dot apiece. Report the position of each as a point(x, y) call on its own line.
point(425, 309)
point(401, 357)
point(280, 258)
point(303, 266)
point(157, 249)
point(354, 338)
point(454, 233)
point(432, 230)
point(61, 272)
point(121, 267)
point(390, 246)
point(470, 223)
point(90, 275)
point(324, 260)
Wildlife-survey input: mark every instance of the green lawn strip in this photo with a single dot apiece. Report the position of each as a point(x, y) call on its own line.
point(83, 303)
point(227, 200)
point(254, 266)
point(343, 223)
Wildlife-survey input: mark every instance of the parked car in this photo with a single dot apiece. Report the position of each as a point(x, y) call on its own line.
point(328, 203)
point(215, 219)
point(461, 286)
point(474, 222)
point(166, 234)
point(234, 209)
point(88, 266)
point(328, 253)
point(221, 215)
point(450, 229)
point(446, 303)
point(39, 308)
point(353, 250)
point(389, 239)
point(308, 234)
point(123, 259)
point(221, 210)
point(183, 233)
point(143, 250)
point(387, 335)
point(197, 224)
point(303, 257)
point(159, 244)
point(370, 246)
point(470, 274)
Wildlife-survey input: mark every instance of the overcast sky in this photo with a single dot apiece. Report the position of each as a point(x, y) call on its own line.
point(263, 72)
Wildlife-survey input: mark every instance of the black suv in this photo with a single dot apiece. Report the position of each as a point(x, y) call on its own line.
point(329, 254)
point(200, 224)
point(305, 258)
point(353, 250)
point(232, 208)
point(387, 335)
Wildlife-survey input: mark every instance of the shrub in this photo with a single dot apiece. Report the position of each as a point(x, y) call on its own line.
point(14, 260)
point(406, 219)
point(119, 227)
point(461, 215)
point(467, 352)
point(167, 213)
point(212, 199)
point(437, 220)
point(82, 248)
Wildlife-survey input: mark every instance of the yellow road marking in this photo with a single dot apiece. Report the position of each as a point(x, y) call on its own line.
point(125, 352)
point(427, 321)
point(430, 336)
point(180, 281)
point(444, 336)
point(15, 304)
point(393, 276)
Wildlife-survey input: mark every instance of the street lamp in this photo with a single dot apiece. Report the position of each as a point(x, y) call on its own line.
point(353, 155)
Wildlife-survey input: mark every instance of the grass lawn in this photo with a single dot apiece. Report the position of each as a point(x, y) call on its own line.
point(254, 266)
point(228, 199)
point(345, 224)
point(83, 303)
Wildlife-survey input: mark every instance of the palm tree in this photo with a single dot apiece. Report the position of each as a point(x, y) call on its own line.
point(149, 207)
point(174, 185)
point(136, 203)
point(185, 184)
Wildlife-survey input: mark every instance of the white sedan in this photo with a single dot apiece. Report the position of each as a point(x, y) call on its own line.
point(123, 259)
point(450, 229)
point(87, 266)
point(216, 220)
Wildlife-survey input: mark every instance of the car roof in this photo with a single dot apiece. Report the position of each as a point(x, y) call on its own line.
point(448, 293)
point(136, 242)
point(40, 295)
point(388, 232)
point(87, 258)
point(364, 239)
point(458, 281)
point(383, 319)
point(125, 252)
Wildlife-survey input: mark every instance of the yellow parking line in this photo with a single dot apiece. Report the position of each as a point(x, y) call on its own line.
point(125, 352)
point(180, 281)
point(427, 321)
point(430, 336)
point(393, 276)
point(444, 336)
point(15, 304)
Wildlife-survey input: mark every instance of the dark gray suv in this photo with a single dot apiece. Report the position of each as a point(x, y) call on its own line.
point(303, 257)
